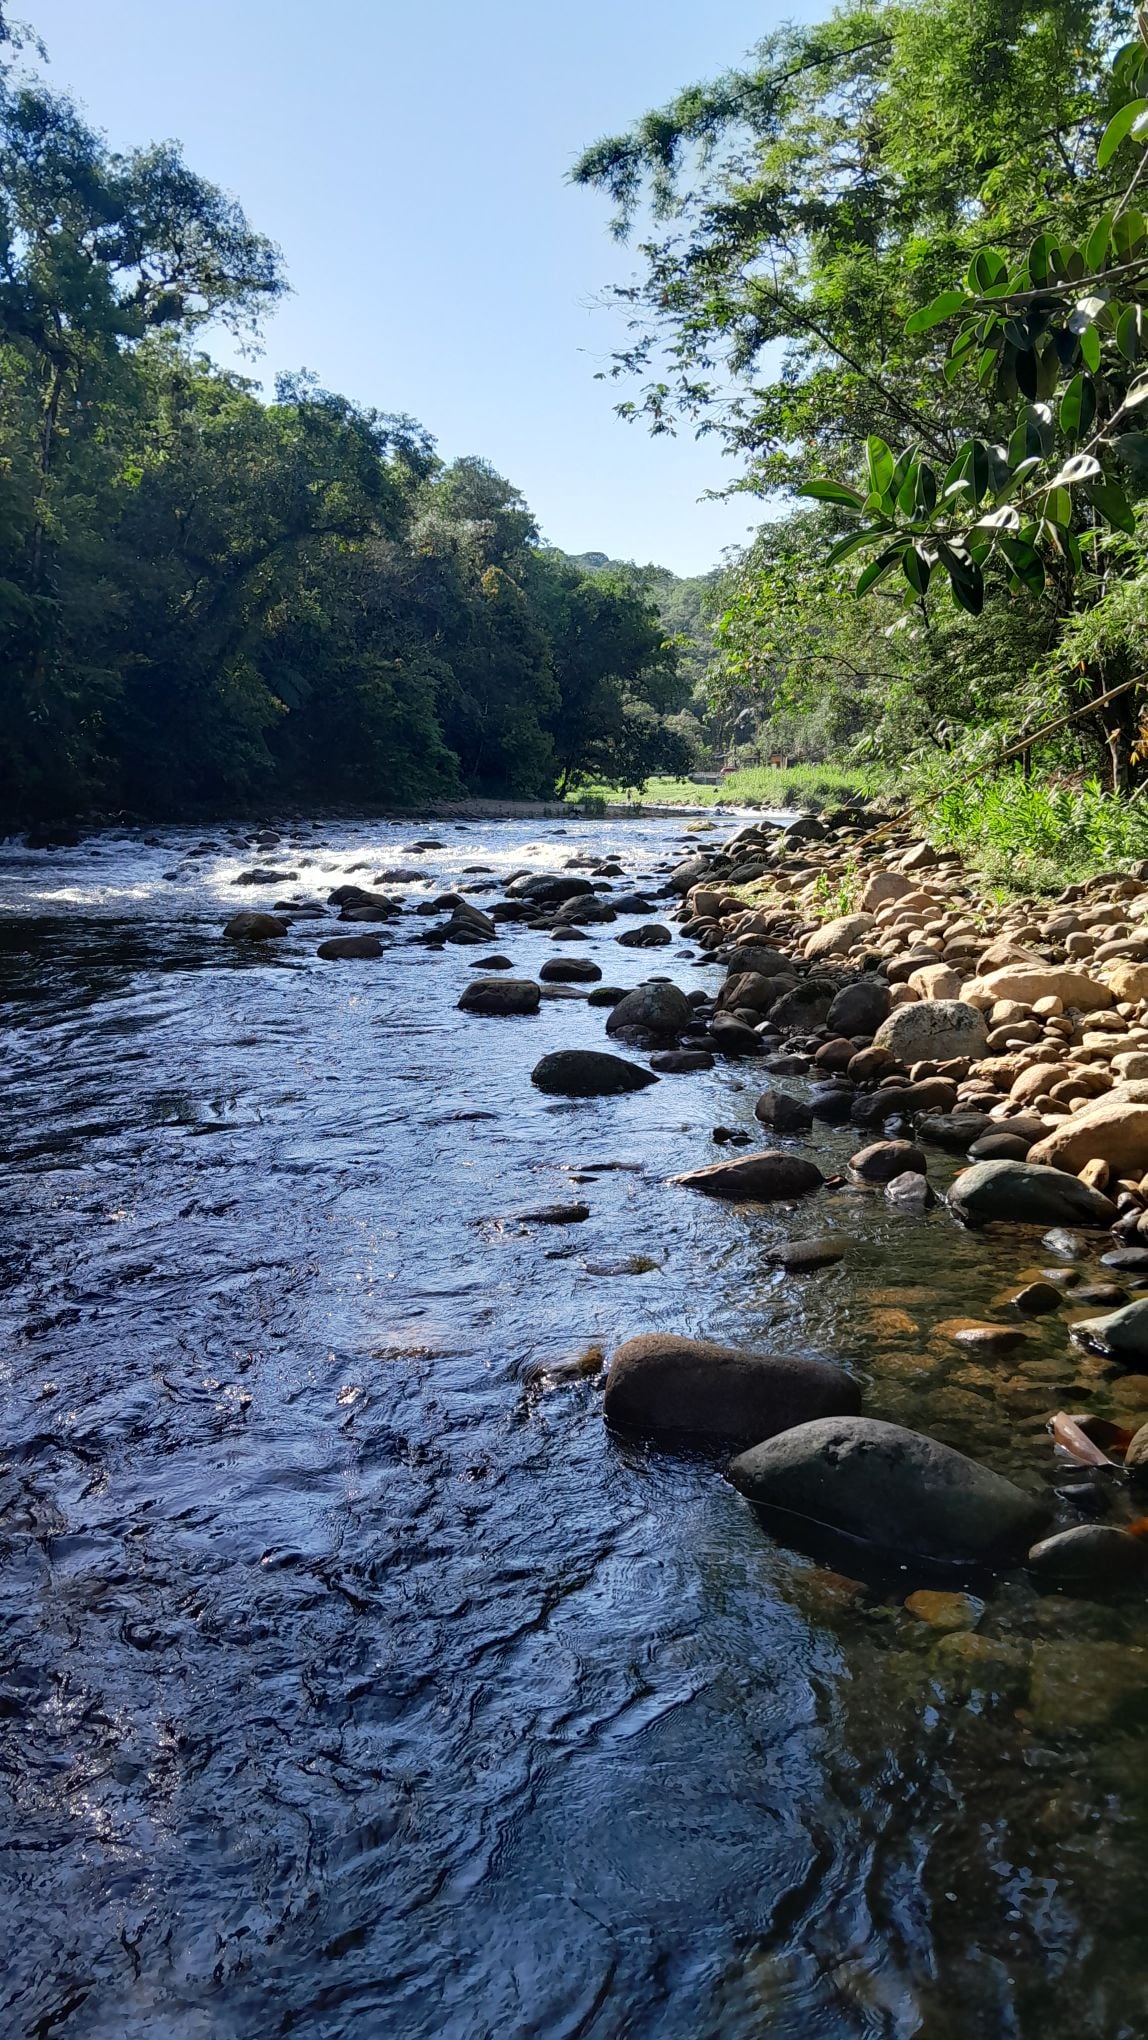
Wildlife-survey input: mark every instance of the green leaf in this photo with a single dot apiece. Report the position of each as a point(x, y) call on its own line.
point(877, 570)
point(1047, 372)
point(944, 307)
point(1128, 327)
point(965, 576)
point(1118, 130)
point(1132, 448)
point(1127, 233)
point(926, 501)
point(1024, 560)
point(916, 569)
point(1005, 519)
point(1096, 246)
point(1040, 256)
point(1077, 406)
point(832, 492)
point(1113, 505)
point(1058, 508)
point(1136, 396)
point(854, 543)
point(880, 464)
point(1090, 349)
point(987, 270)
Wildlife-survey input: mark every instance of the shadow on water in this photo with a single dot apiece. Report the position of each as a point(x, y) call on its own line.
point(352, 1678)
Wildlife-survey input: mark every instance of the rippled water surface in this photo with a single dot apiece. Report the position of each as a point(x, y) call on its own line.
point(352, 1679)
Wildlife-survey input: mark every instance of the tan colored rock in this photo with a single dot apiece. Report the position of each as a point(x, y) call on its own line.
point(1032, 1084)
point(1128, 980)
point(1132, 1063)
point(881, 888)
point(1097, 1174)
point(1112, 1129)
point(1037, 981)
point(838, 937)
point(936, 981)
point(1049, 1007)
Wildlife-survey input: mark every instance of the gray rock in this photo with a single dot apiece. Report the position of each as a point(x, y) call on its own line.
point(1028, 1194)
point(997, 1146)
point(956, 1131)
point(500, 996)
point(804, 1008)
point(651, 935)
point(655, 1008)
point(910, 1192)
point(735, 1037)
point(681, 1389)
point(1123, 1333)
point(893, 1487)
point(804, 1257)
point(681, 1062)
point(859, 1008)
point(933, 1030)
point(760, 1177)
point(587, 1073)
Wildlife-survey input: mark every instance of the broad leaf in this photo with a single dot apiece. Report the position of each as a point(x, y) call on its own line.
point(1096, 246)
point(1077, 406)
point(854, 543)
point(944, 307)
point(1081, 468)
point(916, 569)
point(1024, 560)
point(1133, 450)
point(832, 492)
point(1090, 349)
point(877, 570)
point(1128, 327)
point(1113, 505)
point(1118, 130)
point(880, 463)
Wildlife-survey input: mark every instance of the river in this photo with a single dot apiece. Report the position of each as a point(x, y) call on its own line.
point(353, 1679)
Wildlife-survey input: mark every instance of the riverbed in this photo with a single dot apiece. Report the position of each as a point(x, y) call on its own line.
point(353, 1678)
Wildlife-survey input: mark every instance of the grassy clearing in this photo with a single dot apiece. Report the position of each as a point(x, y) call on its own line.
point(799, 786)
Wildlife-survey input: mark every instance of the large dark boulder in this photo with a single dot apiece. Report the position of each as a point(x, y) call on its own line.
point(804, 1008)
point(894, 1488)
point(680, 1389)
point(1027, 1193)
point(249, 926)
point(660, 1009)
point(588, 1073)
point(500, 996)
point(550, 888)
point(859, 1008)
point(783, 1113)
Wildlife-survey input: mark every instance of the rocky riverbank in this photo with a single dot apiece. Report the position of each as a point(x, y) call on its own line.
point(871, 983)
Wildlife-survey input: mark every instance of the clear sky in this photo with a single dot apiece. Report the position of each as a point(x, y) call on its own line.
point(410, 158)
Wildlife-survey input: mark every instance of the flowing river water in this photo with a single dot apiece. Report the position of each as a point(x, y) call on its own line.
point(353, 1679)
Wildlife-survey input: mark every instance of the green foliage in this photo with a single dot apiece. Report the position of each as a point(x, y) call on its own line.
point(1036, 834)
point(206, 598)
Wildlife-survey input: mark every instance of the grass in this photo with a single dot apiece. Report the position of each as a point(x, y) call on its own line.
point(768, 786)
point(1038, 835)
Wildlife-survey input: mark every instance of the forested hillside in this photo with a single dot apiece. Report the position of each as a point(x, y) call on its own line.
point(207, 599)
point(899, 262)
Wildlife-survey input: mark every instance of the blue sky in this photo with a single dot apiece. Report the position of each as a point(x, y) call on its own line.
point(410, 159)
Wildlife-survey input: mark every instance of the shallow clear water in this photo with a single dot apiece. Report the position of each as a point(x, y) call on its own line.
point(352, 1678)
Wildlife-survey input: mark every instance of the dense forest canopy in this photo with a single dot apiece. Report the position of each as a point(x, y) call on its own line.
point(828, 233)
point(207, 598)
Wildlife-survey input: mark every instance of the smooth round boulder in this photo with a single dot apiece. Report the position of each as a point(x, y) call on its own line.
point(884, 1159)
point(346, 948)
point(549, 888)
point(249, 926)
point(588, 1073)
point(859, 1008)
point(651, 935)
point(1028, 1195)
point(891, 1487)
point(782, 1113)
point(933, 1030)
point(681, 1062)
point(569, 970)
point(500, 996)
point(910, 1192)
point(761, 1177)
point(678, 1389)
point(659, 1009)
point(1095, 1555)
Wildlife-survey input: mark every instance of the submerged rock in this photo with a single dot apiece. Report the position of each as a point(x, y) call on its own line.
point(1123, 1333)
point(763, 1176)
point(804, 1257)
point(885, 1159)
point(1027, 1194)
point(894, 1488)
point(783, 1113)
point(588, 1073)
point(674, 1388)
